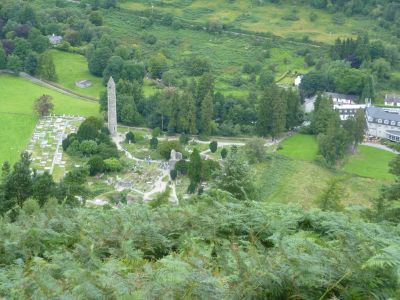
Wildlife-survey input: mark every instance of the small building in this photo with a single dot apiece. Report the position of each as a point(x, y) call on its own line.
point(348, 110)
point(383, 123)
point(55, 39)
point(298, 80)
point(341, 98)
point(309, 104)
point(392, 100)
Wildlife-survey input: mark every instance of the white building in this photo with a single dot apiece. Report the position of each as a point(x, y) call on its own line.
point(392, 100)
point(297, 80)
point(341, 98)
point(383, 123)
point(55, 39)
point(309, 104)
point(348, 110)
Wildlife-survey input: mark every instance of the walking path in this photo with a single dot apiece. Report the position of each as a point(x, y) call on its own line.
point(160, 185)
point(382, 147)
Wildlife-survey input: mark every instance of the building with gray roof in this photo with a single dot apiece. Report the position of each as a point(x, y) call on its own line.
point(383, 123)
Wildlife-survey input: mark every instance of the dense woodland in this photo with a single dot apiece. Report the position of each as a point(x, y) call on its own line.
point(220, 243)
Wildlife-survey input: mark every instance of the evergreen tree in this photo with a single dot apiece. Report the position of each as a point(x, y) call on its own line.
point(3, 58)
point(43, 187)
point(331, 196)
point(18, 185)
point(207, 114)
point(271, 112)
point(368, 91)
point(187, 115)
point(294, 115)
point(194, 169)
point(355, 127)
point(323, 114)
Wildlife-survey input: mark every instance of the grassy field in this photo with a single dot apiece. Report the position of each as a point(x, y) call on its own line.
point(265, 18)
point(17, 118)
point(300, 146)
point(286, 180)
point(370, 162)
point(226, 53)
point(72, 67)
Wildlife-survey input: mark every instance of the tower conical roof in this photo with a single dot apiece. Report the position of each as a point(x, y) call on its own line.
point(111, 81)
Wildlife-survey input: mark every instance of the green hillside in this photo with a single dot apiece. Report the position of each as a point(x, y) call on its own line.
point(18, 118)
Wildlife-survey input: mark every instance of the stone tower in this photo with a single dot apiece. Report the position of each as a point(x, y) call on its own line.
point(112, 107)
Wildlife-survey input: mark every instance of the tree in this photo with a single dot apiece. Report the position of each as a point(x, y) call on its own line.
point(355, 127)
point(323, 114)
point(213, 146)
point(96, 165)
point(3, 57)
point(43, 188)
point(14, 63)
point(166, 147)
point(235, 178)
point(173, 173)
point(158, 65)
point(294, 115)
point(46, 68)
point(98, 59)
point(333, 144)
point(153, 143)
point(43, 105)
point(156, 132)
point(187, 113)
point(18, 184)
point(130, 137)
point(207, 112)
point(271, 112)
point(112, 164)
point(182, 167)
point(394, 166)
point(96, 18)
point(331, 196)
point(194, 170)
point(88, 147)
point(255, 150)
point(224, 153)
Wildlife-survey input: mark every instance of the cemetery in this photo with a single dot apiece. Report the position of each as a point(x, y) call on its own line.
point(45, 144)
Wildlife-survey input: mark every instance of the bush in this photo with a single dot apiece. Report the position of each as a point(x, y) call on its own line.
point(182, 167)
point(130, 137)
point(165, 148)
point(213, 146)
point(184, 139)
point(153, 143)
point(112, 165)
point(173, 173)
point(224, 153)
point(155, 132)
point(96, 165)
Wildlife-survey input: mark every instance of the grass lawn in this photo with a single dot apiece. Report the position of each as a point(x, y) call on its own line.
point(72, 67)
point(300, 146)
point(17, 118)
point(370, 162)
point(287, 180)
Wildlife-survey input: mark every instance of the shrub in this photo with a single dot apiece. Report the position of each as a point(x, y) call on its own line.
point(224, 153)
point(112, 165)
point(96, 165)
point(130, 137)
point(182, 167)
point(165, 148)
point(173, 173)
point(153, 143)
point(213, 146)
point(155, 132)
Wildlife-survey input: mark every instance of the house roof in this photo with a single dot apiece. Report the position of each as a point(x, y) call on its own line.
point(380, 113)
point(393, 132)
point(392, 98)
point(341, 96)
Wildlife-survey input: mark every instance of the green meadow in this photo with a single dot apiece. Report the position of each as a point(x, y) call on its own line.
point(72, 67)
point(300, 146)
point(17, 118)
point(293, 175)
point(370, 162)
point(283, 19)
